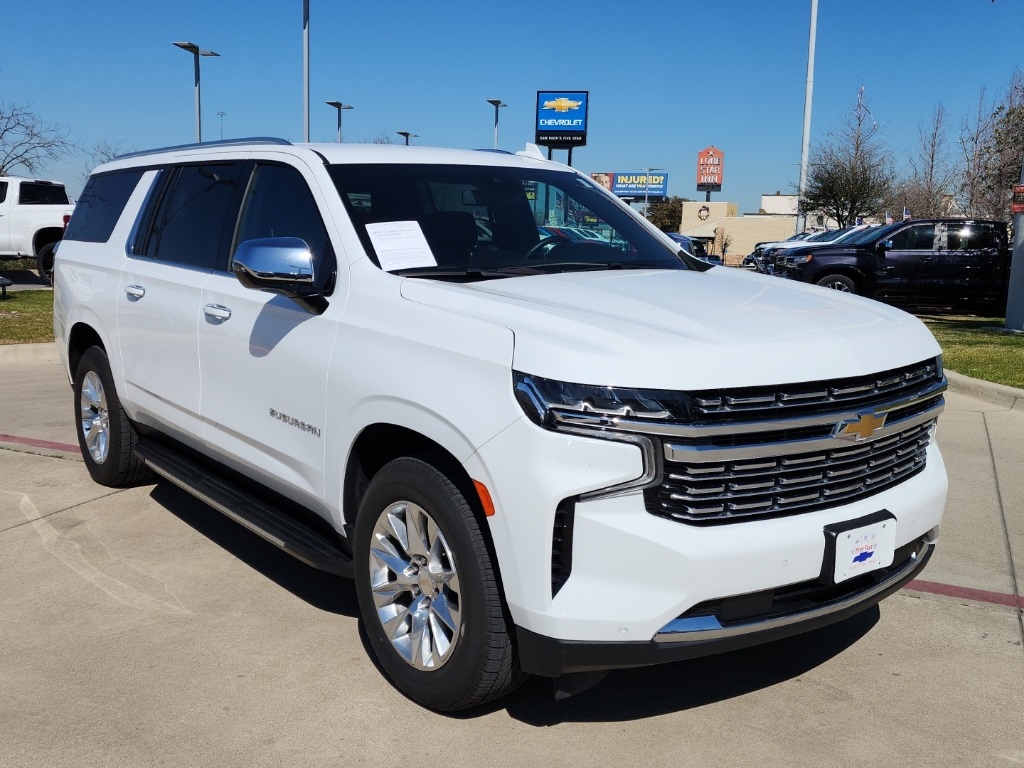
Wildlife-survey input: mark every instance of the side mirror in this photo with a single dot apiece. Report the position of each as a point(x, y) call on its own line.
point(885, 245)
point(282, 265)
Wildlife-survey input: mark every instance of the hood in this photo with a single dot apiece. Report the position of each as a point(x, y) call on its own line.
point(684, 329)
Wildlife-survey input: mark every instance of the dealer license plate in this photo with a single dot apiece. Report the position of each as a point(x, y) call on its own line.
point(864, 549)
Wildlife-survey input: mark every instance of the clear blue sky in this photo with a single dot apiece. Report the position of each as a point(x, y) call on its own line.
point(666, 77)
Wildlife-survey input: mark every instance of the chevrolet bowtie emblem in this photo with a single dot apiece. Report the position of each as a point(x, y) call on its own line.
point(562, 104)
point(861, 428)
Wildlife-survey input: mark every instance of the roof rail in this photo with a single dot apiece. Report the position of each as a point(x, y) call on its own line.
point(221, 143)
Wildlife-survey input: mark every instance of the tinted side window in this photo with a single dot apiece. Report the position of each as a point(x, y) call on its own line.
point(101, 205)
point(198, 207)
point(279, 204)
point(34, 193)
point(3, 191)
point(917, 238)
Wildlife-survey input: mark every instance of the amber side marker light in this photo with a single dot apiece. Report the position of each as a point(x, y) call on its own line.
point(485, 498)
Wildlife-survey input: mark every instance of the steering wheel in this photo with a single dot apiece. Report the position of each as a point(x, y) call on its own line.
point(535, 250)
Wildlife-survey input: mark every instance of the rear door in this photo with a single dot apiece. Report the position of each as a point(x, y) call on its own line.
point(972, 262)
point(185, 230)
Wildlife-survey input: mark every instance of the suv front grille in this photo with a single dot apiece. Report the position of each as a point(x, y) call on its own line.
point(770, 451)
point(701, 492)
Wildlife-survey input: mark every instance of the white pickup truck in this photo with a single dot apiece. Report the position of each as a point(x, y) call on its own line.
point(33, 214)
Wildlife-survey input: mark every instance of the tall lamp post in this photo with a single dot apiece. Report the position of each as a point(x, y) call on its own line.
point(221, 116)
point(196, 52)
point(497, 104)
point(407, 136)
point(339, 106)
point(305, 70)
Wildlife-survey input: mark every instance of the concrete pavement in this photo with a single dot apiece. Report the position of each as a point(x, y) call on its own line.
point(140, 628)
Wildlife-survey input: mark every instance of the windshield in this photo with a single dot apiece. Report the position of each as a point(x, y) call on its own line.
point(479, 222)
point(871, 233)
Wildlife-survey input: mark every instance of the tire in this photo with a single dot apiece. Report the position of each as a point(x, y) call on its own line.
point(838, 283)
point(105, 433)
point(44, 262)
point(430, 602)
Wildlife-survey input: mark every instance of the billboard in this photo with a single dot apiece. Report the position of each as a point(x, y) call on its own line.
point(710, 164)
point(632, 184)
point(562, 118)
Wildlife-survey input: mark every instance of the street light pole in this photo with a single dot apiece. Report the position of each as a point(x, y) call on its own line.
point(808, 95)
point(196, 52)
point(221, 116)
point(497, 104)
point(305, 69)
point(407, 135)
point(339, 106)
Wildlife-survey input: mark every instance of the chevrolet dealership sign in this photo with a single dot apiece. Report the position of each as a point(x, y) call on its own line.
point(562, 118)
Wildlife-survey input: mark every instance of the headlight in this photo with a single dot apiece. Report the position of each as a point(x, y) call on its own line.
point(554, 404)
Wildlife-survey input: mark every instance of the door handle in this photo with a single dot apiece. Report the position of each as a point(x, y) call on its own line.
point(927, 259)
point(217, 312)
point(135, 291)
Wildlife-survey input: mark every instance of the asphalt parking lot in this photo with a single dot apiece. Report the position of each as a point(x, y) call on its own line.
point(140, 628)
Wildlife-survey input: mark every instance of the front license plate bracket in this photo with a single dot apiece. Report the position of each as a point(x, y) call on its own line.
point(858, 546)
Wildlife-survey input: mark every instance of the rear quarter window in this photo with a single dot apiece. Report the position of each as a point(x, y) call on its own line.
point(101, 205)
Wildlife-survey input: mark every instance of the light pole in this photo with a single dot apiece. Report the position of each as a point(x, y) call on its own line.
point(221, 116)
point(196, 52)
point(305, 70)
point(801, 219)
point(407, 136)
point(497, 104)
point(647, 184)
point(339, 106)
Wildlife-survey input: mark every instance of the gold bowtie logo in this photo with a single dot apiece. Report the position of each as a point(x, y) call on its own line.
point(863, 427)
point(561, 104)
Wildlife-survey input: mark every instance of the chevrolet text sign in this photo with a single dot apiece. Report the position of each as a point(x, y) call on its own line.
point(710, 163)
point(633, 184)
point(562, 118)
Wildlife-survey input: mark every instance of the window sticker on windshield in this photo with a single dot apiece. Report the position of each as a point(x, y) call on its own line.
point(400, 245)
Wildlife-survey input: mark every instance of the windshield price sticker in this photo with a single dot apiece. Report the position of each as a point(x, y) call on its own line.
point(400, 245)
point(865, 549)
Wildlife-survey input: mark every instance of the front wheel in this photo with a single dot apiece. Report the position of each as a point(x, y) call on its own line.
point(44, 262)
point(105, 433)
point(838, 283)
point(428, 593)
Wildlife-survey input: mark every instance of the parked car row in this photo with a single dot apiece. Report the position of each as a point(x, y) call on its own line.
point(924, 262)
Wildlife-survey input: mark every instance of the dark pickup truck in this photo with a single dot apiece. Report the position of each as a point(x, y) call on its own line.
point(930, 262)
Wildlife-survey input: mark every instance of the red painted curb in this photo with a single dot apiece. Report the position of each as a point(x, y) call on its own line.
point(38, 443)
point(966, 593)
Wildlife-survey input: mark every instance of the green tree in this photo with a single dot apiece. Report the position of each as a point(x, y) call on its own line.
point(851, 173)
point(667, 213)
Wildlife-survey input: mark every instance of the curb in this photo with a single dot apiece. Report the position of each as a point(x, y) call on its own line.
point(1000, 394)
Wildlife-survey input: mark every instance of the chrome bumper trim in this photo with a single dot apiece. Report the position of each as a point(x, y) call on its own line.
point(698, 629)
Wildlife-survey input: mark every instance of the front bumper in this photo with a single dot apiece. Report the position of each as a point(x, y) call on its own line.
point(716, 628)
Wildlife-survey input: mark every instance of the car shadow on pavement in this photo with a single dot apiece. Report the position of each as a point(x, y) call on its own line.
point(322, 590)
point(633, 694)
point(23, 277)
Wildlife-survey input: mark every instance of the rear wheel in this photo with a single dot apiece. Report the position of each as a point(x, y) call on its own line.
point(427, 590)
point(44, 262)
point(838, 283)
point(105, 433)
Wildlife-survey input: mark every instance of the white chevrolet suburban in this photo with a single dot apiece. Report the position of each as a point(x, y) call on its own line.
point(533, 454)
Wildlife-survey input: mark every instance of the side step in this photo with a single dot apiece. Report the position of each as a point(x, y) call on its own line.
point(301, 541)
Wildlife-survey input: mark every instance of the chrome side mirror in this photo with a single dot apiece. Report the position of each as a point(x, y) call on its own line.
point(282, 265)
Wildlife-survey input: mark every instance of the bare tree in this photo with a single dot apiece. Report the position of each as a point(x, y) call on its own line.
point(928, 189)
point(103, 151)
point(26, 142)
point(851, 172)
